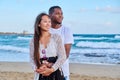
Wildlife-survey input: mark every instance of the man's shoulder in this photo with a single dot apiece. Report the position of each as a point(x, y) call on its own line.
point(66, 29)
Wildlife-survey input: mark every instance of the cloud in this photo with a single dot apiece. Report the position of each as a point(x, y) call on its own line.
point(108, 24)
point(97, 8)
point(83, 9)
point(108, 8)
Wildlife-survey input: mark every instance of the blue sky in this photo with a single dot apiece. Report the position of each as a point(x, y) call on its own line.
point(82, 16)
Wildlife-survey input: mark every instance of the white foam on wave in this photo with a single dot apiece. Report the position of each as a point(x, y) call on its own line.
point(90, 38)
point(117, 37)
point(98, 51)
point(14, 48)
point(24, 38)
point(98, 45)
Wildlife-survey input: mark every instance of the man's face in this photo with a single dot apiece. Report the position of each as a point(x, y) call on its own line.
point(57, 16)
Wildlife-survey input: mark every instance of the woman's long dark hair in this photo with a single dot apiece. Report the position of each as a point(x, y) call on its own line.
point(37, 35)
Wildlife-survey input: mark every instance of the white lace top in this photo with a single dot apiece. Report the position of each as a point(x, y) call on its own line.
point(54, 48)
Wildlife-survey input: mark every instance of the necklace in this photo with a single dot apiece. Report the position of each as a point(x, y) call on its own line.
point(44, 53)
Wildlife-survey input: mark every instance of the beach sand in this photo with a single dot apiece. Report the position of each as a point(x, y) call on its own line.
point(23, 71)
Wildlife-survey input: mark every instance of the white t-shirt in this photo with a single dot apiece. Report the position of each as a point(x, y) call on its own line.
point(67, 38)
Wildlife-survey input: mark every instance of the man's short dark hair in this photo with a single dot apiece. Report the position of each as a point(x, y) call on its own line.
point(51, 9)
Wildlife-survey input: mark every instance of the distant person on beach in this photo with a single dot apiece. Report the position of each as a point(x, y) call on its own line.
point(56, 16)
point(47, 53)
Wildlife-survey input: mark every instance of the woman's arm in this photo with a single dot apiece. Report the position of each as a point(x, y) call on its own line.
point(32, 55)
point(60, 53)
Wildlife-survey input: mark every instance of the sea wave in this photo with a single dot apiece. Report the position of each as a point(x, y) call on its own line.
point(14, 49)
point(97, 37)
point(116, 39)
point(98, 45)
point(23, 38)
point(117, 36)
point(98, 51)
point(89, 38)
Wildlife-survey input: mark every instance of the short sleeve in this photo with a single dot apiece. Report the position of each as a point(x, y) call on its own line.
point(68, 36)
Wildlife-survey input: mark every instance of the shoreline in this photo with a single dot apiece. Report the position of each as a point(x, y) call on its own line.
point(23, 71)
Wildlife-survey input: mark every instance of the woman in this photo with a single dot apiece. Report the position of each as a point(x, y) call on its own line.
point(47, 52)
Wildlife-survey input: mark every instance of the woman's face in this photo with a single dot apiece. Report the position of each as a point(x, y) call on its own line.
point(45, 23)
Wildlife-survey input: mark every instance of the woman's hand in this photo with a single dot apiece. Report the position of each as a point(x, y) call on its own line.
point(41, 69)
point(47, 71)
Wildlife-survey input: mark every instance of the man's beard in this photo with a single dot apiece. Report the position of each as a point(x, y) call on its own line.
point(56, 22)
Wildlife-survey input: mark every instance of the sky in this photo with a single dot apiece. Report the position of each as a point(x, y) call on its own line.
point(81, 16)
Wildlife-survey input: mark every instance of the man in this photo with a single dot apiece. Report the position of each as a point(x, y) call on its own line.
point(56, 16)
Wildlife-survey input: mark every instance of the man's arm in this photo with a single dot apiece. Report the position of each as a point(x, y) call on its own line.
point(68, 40)
point(67, 49)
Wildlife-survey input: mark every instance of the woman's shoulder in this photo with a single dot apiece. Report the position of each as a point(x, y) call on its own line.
point(31, 41)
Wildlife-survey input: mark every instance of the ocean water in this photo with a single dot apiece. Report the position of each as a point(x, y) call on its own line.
point(87, 48)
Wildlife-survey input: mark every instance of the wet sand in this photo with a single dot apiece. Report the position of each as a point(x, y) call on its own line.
point(23, 71)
